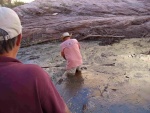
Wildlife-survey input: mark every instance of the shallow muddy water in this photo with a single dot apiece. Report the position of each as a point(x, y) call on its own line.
point(115, 78)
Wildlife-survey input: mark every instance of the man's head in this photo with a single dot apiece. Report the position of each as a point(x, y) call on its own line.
point(66, 36)
point(10, 32)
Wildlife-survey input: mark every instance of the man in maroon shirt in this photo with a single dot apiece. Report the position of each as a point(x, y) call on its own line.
point(24, 88)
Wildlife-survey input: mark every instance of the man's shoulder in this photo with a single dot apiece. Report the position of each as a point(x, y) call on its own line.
point(64, 43)
point(32, 66)
point(68, 41)
point(35, 72)
point(31, 69)
point(74, 39)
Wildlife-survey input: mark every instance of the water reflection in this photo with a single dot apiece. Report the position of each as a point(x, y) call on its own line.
point(74, 93)
point(73, 84)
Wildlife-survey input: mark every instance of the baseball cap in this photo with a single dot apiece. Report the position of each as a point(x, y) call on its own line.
point(66, 34)
point(10, 25)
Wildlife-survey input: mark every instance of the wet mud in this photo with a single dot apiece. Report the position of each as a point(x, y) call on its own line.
point(114, 79)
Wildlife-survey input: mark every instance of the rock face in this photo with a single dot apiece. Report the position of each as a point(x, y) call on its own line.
point(46, 20)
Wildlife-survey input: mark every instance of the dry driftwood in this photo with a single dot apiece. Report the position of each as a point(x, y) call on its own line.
point(101, 36)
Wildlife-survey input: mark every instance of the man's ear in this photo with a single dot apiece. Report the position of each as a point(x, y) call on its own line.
point(18, 42)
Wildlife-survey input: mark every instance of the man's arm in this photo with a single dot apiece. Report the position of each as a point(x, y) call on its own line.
point(79, 45)
point(63, 55)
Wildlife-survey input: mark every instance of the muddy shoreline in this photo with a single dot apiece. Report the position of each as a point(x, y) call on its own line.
point(115, 77)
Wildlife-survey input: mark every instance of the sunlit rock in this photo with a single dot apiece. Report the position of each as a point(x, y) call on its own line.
point(47, 19)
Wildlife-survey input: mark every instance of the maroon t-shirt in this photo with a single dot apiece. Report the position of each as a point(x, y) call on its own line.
point(26, 88)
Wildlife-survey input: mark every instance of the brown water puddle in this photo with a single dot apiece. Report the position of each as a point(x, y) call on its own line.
point(116, 80)
point(98, 93)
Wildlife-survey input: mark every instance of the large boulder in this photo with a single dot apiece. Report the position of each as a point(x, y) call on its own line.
point(46, 20)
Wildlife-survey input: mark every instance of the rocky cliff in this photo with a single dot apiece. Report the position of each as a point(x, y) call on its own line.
point(46, 20)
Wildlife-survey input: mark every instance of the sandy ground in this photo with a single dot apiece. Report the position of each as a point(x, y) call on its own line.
point(115, 78)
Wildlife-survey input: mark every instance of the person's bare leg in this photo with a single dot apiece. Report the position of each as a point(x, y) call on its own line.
point(67, 74)
point(79, 69)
